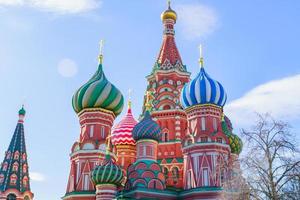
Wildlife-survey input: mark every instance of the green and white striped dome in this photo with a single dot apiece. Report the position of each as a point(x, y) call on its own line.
point(108, 172)
point(98, 92)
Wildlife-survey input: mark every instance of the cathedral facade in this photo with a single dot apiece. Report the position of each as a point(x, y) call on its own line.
point(182, 147)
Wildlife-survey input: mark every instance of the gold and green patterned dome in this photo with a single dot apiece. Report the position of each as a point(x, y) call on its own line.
point(98, 92)
point(235, 143)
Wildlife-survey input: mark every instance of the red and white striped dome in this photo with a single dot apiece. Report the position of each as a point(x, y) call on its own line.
point(122, 132)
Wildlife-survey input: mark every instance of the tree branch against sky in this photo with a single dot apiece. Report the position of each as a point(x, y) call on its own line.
point(272, 158)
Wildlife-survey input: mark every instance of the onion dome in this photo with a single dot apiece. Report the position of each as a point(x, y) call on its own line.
point(22, 111)
point(203, 90)
point(145, 174)
point(108, 172)
point(147, 129)
point(235, 143)
point(122, 132)
point(169, 13)
point(98, 92)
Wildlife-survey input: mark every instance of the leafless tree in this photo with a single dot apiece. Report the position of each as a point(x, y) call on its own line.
point(270, 158)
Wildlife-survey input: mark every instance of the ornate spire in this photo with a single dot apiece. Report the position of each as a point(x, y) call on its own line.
point(129, 100)
point(201, 61)
point(169, 57)
point(100, 57)
point(14, 173)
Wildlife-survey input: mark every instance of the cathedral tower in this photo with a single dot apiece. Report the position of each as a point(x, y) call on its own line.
point(165, 82)
point(14, 174)
point(96, 103)
point(208, 146)
point(123, 141)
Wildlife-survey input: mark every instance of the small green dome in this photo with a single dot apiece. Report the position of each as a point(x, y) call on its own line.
point(98, 92)
point(22, 111)
point(235, 143)
point(108, 172)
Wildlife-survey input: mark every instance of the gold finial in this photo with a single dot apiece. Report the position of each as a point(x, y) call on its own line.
point(169, 4)
point(129, 98)
point(100, 57)
point(201, 61)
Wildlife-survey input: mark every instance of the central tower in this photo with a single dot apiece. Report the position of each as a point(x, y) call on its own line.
point(165, 82)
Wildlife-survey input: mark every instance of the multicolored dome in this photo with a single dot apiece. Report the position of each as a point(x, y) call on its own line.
point(147, 129)
point(235, 143)
point(98, 92)
point(122, 132)
point(145, 174)
point(107, 172)
point(203, 90)
point(169, 13)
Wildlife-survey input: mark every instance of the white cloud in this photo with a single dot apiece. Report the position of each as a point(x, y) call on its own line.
point(67, 67)
point(280, 97)
point(35, 176)
point(11, 2)
point(56, 6)
point(197, 20)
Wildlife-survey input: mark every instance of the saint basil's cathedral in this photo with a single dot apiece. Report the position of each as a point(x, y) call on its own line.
point(182, 147)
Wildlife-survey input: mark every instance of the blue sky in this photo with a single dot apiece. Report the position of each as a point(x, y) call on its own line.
point(49, 48)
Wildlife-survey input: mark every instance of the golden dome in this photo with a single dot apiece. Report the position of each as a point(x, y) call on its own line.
point(169, 13)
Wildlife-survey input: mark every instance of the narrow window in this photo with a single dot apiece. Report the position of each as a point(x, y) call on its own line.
point(1, 178)
point(91, 131)
point(222, 176)
point(78, 172)
point(219, 140)
point(102, 131)
point(166, 137)
point(86, 182)
point(189, 179)
point(165, 170)
point(203, 124)
point(215, 126)
point(204, 139)
point(205, 177)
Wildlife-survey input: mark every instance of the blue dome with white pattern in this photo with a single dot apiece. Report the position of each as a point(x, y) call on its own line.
point(203, 90)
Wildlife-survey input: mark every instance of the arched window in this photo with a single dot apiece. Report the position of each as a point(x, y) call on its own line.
point(165, 137)
point(17, 155)
point(25, 182)
point(1, 178)
point(24, 168)
point(4, 167)
point(13, 179)
point(24, 156)
point(15, 166)
point(166, 171)
point(11, 197)
point(8, 154)
point(175, 174)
